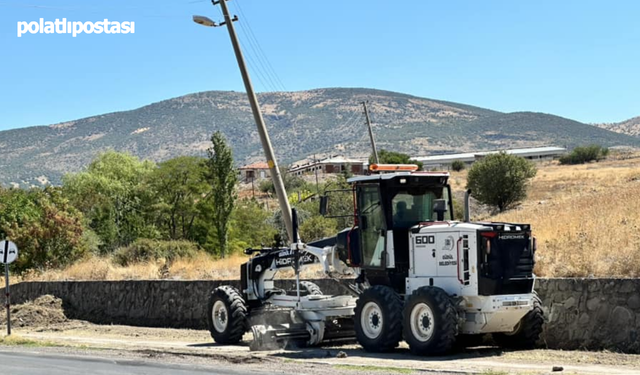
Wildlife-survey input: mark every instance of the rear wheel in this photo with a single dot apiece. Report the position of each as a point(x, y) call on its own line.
point(378, 319)
point(227, 315)
point(430, 322)
point(527, 331)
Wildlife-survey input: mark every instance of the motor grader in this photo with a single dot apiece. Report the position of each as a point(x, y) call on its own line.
point(412, 272)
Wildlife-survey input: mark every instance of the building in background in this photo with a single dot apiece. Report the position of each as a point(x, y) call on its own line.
point(534, 154)
point(333, 164)
point(254, 172)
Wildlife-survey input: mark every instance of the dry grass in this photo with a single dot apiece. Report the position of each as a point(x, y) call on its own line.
point(202, 266)
point(586, 219)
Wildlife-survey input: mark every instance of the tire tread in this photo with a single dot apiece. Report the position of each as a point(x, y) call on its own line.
point(446, 322)
point(237, 315)
point(389, 301)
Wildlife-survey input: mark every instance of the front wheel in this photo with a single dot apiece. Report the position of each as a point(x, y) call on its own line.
point(378, 319)
point(227, 315)
point(430, 322)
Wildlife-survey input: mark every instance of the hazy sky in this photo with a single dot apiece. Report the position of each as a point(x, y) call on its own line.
point(577, 59)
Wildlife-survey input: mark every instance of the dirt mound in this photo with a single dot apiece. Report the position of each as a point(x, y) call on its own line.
point(43, 311)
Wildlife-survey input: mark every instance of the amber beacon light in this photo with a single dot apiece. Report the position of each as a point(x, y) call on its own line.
point(393, 167)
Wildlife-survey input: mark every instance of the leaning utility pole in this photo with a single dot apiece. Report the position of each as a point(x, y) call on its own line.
point(262, 129)
point(373, 141)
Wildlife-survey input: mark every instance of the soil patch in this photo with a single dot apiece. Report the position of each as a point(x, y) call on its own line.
point(43, 311)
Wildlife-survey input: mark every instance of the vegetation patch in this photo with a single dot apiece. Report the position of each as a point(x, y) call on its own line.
point(15, 340)
point(500, 180)
point(145, 250)
point(585, 154)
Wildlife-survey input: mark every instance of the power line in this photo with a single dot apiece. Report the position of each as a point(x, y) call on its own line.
point(251, 54)
point(350, 122)
point(255, 71)
point(250, 57)
point(260, 50)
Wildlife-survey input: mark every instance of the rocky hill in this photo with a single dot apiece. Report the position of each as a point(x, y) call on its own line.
point(300, 123)
point(629, 127)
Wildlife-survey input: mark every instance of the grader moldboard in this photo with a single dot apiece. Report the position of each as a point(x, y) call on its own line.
point(418, 275)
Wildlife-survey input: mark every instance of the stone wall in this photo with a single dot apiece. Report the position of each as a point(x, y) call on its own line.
point(591, 313)
point(150, 303)
point(580, 313)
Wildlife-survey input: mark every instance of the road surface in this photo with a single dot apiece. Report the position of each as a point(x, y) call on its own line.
point(35, 363)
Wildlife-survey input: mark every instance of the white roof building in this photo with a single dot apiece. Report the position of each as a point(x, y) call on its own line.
point(534, 153)
point(334, 164)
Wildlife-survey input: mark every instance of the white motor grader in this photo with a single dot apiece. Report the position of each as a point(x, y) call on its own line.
point(417, 275)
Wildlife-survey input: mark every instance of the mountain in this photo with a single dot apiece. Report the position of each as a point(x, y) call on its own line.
point(629, 127)
point(300, 123)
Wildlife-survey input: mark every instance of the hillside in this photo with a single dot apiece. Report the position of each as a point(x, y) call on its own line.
point(629, 127)
point(300, 123)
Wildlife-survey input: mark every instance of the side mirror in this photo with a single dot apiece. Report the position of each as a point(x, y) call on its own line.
point(324, 204)
point(440, 207)
point(294, 223)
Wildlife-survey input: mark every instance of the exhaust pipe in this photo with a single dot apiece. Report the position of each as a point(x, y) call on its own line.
point(467, 214)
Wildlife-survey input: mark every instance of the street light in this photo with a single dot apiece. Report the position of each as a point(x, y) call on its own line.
point(278, 184)
point(205, 21)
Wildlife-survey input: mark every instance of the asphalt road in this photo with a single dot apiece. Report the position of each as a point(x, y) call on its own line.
point(14, 363)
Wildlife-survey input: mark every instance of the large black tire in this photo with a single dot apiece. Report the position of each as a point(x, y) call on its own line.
point(378, 319)
point(227, 315)
point(430, 321)
point(311, 288)
point(527, 332)
point(469, 341)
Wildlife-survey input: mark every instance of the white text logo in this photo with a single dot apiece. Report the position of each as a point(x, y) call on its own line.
point(68, 27)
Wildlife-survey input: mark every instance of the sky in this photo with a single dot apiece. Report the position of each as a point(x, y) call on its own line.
point(576, 59)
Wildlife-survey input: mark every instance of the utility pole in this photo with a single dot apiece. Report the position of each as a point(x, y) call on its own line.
point(373, 141)
point(257, 115)
point(315, 168)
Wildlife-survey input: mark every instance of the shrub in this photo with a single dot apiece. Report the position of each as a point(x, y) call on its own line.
point(500, 180)
point(457, 165)
point(318, 227)
point(458, 210)
point(291, 182)
point(144, 250)
point(585, 154)
point(48, 231)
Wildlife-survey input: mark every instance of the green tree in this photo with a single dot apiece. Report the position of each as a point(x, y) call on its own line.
point(457, 165)
point(340, 202)
point(277, 221)
point(250, 226)
point(392, 157)
point(223, 178)
point(177, 186)
point(317, 227)
point(111, 195)
point(585, 154)
point(500, 180)
point(291, 183)
point(48, 231)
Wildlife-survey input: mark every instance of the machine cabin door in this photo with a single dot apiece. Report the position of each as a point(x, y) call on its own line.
point(371, 221)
